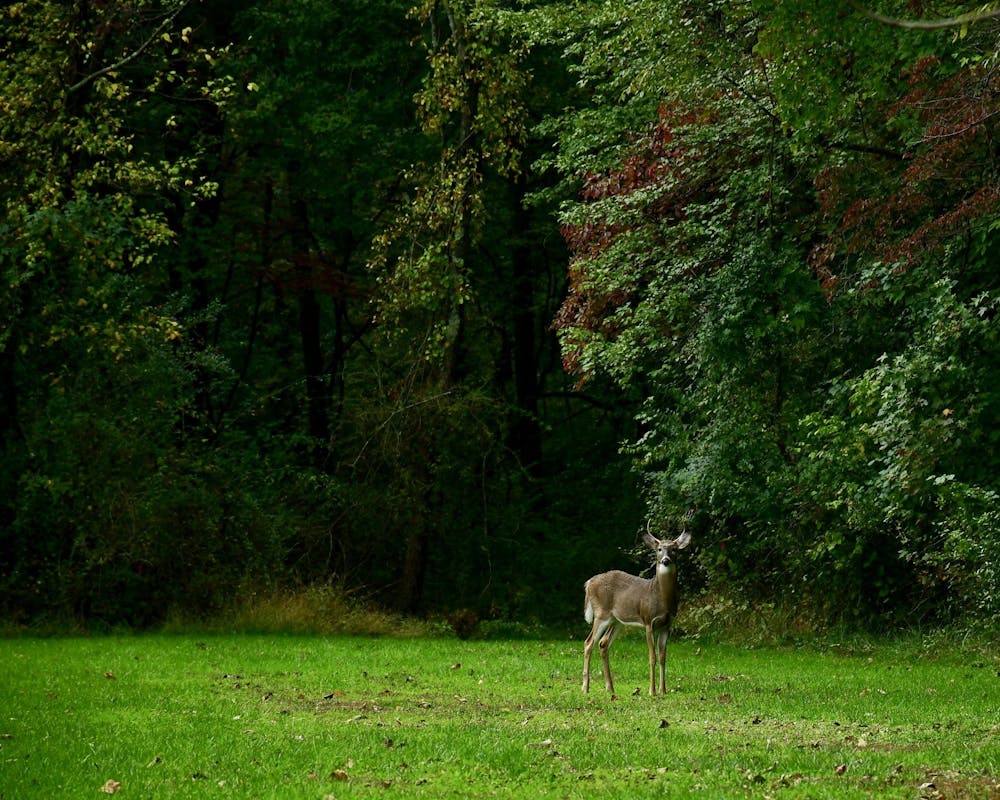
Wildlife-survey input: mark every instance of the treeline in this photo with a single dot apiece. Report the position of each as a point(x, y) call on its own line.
point(442, 301)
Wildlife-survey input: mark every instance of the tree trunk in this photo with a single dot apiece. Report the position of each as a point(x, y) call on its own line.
point(411, 584)
point(9, 411)
point(310, 332)
point(526, 433)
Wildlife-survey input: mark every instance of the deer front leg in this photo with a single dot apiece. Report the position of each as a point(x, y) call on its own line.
point(662, 653)
point(651, 644)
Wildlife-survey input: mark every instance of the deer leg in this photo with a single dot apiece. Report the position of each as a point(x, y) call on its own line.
point(588, 646)
point(651, 644)
point(605, 645)
point(662, 653)
point(596, 632)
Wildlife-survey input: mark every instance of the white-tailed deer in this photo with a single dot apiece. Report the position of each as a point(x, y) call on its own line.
point(615, 598)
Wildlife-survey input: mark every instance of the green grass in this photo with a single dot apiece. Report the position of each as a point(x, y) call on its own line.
point(312, 717)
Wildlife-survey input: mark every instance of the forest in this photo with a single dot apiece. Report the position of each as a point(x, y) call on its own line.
point(443, 302)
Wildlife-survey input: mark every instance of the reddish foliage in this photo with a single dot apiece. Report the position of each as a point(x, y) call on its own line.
point(658, 162)
point(947, 181)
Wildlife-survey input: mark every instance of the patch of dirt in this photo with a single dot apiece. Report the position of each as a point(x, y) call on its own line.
point(957, 786)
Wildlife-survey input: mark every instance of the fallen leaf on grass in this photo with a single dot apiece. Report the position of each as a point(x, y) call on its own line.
point(929, 791)
point(786, 781)
point(110, 787)
point(339, 775)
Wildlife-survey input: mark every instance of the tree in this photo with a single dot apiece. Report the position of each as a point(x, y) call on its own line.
point(703, 276)
point(92, 384)
point(906, 250)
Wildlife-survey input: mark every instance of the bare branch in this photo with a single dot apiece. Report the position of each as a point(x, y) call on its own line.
point(134, 54)
point(928, 24)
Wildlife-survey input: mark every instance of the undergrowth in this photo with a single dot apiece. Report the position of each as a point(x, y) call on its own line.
point(331, 609)
point(318, 609)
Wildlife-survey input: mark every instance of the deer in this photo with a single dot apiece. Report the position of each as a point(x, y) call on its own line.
point(616, 598)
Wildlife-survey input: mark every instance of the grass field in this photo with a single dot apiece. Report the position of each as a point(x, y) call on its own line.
point(310, 717)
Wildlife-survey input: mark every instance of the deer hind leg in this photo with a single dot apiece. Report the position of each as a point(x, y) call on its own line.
point(596, 634)
point(605, 644)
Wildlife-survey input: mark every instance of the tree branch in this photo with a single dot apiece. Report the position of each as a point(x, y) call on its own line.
point(851, 147)
point(927, 24)
point(133, 55)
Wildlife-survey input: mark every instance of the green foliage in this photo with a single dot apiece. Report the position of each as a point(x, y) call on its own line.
point(91, 358)
point(908, 453)
point(786, 260)
point(473, 102)
point(279, 283)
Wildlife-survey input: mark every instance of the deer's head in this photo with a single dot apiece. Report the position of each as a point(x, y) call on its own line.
point(666, 548)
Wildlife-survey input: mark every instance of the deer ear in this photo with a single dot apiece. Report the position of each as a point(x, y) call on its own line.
point(651, 540)
point(682, 541)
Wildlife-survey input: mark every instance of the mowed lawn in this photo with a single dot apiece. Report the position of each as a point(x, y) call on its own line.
point(311, 717)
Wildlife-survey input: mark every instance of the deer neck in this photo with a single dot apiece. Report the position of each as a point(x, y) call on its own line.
point(665, 583)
